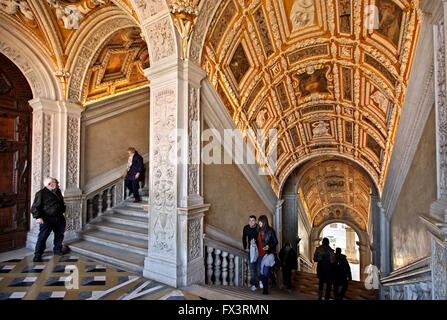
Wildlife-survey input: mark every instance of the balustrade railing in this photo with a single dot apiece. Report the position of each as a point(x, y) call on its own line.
point(225, 265)
point(305, 265)
point(103, 199)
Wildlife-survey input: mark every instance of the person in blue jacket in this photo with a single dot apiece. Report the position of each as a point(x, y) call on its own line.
point(135, 171)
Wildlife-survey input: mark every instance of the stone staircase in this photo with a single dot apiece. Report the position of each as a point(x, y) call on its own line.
point(307, 283)
point(118, 237)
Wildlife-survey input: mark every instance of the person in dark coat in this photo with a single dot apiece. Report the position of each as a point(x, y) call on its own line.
point(48, 209)
point(134, 173)
point(325, 258)
point(267, 242)
point(342, 274)
point(249, 235)
point(288, 259)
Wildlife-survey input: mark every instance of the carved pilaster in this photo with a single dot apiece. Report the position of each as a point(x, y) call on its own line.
point(175, 251)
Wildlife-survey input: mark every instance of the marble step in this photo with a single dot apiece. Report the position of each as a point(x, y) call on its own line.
point(119, 229)
point(131, 211)
point(123, 242)
point(123, 259)
point(131, 204)
point(139, 222)
point(221, 292)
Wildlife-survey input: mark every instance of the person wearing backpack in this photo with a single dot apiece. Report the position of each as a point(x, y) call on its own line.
point(325, 258)
point(342, 274)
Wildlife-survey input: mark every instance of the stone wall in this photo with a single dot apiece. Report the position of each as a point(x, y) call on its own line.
point(409, 238)
point(106, 142)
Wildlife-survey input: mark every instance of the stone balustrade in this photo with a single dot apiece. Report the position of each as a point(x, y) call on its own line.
point(225, 265)
point(412, 282)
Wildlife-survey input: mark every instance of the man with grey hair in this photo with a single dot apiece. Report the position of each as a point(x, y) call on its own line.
point(48, 209)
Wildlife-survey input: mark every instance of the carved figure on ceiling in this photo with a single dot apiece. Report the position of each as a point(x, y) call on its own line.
point(302, 14)
point(390, 18)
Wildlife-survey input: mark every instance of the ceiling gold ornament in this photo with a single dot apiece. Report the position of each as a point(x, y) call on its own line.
point(184, 14)
point(335, 189)
point(117, 66)
point(329, 75)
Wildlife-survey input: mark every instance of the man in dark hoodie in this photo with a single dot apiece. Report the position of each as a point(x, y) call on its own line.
point(325, 258)
point(249, 234)
point(134, 172)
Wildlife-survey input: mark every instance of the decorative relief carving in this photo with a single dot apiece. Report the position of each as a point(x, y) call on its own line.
point(163, 165)
point(302, 14)
point(73, 215)
point(15, 6)
point(194, 239)
point(193, 142)
point(46, 148)
point(161, 39)
point(73, 146)
point(37, 152)
point(15, 55)
point(439, 270)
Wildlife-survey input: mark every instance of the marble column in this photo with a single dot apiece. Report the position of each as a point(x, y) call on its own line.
point(290, 219)
point(385, 252)
point(56, 153)
point(176, 208)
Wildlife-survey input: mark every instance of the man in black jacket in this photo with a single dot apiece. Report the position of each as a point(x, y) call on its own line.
point(342, 274)
point(48, 209)
point(249, 234)
point(134, 173)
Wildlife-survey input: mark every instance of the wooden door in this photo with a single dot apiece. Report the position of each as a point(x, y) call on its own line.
point(15, 155)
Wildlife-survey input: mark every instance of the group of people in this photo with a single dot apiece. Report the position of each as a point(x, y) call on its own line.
point(49, 207)
point(260, 241)
point(332, 270)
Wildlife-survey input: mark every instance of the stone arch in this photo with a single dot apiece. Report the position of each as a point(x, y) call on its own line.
point(163, 40)
point(291, 181)
point(35, 66)
point(92, 39)
point(364, 242)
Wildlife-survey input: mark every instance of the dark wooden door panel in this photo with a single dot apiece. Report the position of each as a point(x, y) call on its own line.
point(15, 146)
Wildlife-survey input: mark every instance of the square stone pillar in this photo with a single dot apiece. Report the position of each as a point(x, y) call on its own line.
point(56, 153)
point(176, 208)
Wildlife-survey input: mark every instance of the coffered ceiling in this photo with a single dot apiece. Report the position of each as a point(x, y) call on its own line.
point(335, 189)
point(329, 75)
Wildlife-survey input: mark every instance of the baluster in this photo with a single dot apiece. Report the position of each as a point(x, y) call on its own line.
point(209, 264)
point(231, 269)
point(224, 268)
point(100, 203)
point(247, 279)
point(109, 199)
point(90, 210)
point(217, 267)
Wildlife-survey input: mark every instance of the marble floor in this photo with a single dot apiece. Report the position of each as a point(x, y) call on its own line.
point(73, 277)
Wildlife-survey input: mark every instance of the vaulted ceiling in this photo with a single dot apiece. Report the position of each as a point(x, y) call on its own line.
point(329, 75)
point(117, 66)
point(335, 189)
point(59, 27)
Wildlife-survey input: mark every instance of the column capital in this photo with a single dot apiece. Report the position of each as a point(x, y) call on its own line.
point(48, 105)
point(174, 68)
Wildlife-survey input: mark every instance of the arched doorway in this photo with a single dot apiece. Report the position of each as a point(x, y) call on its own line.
point(15, 155)
point(342, 236)
point(325, 191)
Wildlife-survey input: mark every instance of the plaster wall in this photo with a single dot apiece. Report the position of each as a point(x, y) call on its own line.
point(409, 239)
point(106, 142)
point(232, 198)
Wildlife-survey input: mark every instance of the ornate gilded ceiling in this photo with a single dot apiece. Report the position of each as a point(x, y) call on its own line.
point(117, 66)
point(335, 189)
point(58, 27)
point(329, 75)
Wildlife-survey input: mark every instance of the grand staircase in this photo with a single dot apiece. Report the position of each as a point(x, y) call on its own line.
point(307, 283)
point(118, 237)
